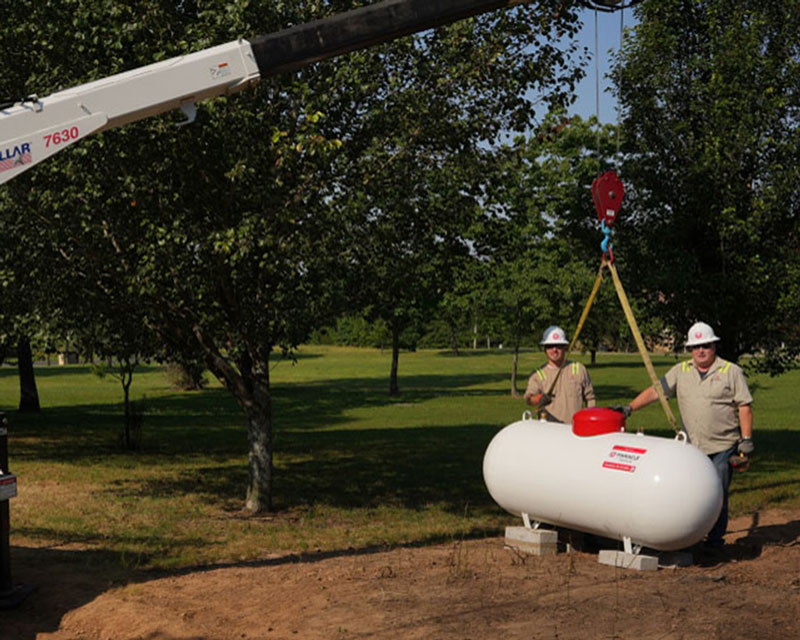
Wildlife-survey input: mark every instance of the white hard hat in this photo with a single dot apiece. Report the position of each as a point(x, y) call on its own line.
point(700, 333)
point(554, 335)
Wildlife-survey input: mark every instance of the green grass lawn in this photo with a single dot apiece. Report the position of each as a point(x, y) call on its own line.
point(353, 467)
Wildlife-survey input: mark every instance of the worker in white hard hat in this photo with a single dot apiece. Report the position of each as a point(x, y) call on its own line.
point(716, 410)
point(561, 387)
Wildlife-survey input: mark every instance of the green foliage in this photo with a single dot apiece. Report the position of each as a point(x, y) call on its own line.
point(186, 376)
point(243, 233)
point(357, 331)
point(538, 238)
point(711, 96)
point(417, 177)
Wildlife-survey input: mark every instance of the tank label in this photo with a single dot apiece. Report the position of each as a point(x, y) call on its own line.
point(619, 447)
point(622, 458)
point(630, 468)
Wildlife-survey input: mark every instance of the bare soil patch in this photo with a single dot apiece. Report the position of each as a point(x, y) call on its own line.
point(467, 589)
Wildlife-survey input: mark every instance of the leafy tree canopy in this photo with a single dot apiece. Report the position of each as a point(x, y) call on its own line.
point(711, 98)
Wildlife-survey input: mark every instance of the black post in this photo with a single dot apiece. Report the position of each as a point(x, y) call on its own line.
point(5, 549)
point(11, 595)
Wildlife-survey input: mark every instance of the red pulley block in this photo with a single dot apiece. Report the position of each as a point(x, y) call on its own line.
point(607, 192)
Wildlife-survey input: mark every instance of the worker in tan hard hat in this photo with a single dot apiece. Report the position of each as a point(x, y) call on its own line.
point(716, 412)
point(561, 387)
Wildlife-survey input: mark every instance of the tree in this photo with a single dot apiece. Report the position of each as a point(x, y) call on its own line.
point(214, 232)
point(419, 173)
point(25, 295)
point(236, 235)
point(572, 152)
point(540, 233)
point(711, 99)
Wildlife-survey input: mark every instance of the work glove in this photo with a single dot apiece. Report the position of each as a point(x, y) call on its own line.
point(746, 446)
point(542, 400)
point(624, 410)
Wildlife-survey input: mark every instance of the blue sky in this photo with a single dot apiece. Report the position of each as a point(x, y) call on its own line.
point(608, 32)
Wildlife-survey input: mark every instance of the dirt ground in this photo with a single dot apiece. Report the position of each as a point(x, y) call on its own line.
point(470, 589)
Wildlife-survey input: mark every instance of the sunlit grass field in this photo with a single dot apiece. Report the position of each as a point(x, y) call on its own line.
point(354, 467)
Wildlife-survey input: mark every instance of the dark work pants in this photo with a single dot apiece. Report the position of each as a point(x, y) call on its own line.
point(723, 467)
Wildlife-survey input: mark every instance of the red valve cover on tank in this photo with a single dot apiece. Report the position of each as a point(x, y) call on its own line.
point(597, 420)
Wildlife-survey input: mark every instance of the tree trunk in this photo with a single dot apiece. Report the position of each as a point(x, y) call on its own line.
point(394, 389)
point(514, 363)
point(28, 394)
point(475, 336)
point(252, 392)
point(259, 438)
point(453, 341)
point(593, 353)
point(126, 375)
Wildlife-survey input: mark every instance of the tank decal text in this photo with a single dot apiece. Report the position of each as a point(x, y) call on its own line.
point(617, 466)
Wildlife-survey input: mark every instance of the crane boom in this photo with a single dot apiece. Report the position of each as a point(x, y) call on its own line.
point(34, 129)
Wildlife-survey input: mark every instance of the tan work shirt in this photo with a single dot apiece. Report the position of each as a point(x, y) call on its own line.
point(709, 405)
point(573, 389)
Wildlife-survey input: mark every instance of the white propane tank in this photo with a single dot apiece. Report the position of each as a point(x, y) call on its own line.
point(658, 492)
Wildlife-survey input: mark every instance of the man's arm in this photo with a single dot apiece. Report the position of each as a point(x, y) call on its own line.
point(648, 396)
point(746, 420)
point(533, 390)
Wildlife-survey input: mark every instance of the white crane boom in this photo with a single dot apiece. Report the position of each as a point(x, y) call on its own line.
point(34, 129)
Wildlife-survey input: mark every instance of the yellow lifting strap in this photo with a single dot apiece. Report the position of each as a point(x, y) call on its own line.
point(584, 315)
point(589, 302)
point(626, 307)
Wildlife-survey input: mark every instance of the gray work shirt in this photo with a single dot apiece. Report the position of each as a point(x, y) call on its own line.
point(709, 405)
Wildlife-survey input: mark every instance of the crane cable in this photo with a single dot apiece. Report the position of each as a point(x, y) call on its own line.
point(607, 261)
point(607, 205)
point(542, 413)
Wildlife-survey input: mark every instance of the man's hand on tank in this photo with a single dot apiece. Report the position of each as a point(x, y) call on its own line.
point(625, 410)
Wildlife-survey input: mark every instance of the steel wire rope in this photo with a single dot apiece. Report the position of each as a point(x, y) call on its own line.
point(609, 263)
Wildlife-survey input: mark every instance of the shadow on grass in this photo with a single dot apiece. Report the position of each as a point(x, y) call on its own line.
point(624, 392)
point(44, 371)
point(405, 468)
point(172, 424)
point(211, 420)
point(481, 353)
point(64, 580)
